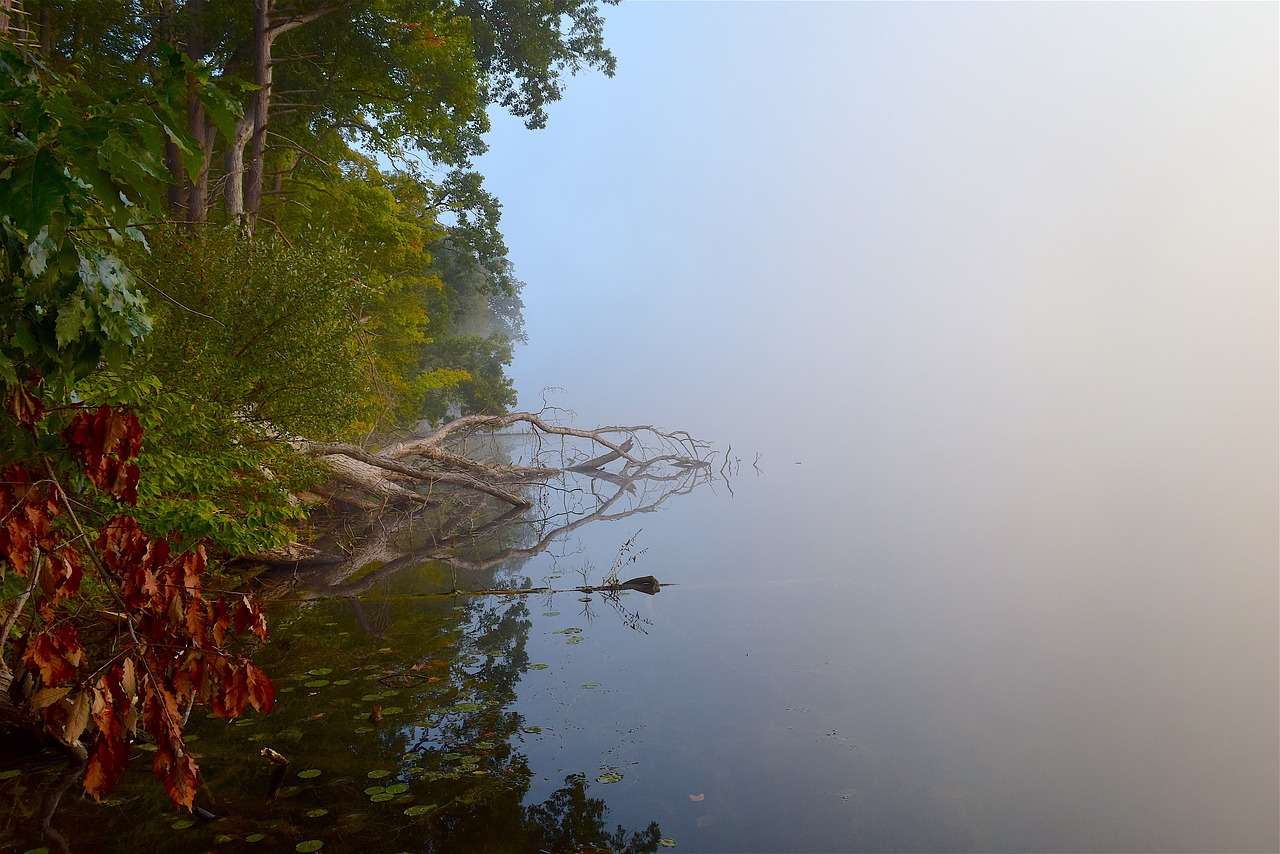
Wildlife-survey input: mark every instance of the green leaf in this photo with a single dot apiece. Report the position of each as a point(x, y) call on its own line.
point(73, 319)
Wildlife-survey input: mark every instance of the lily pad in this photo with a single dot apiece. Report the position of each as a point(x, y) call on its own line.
point(397, 789)
point(381, 798)
point(321, 671)
point(255, 837)
point(9, 775)
point(609, 777)
point(420, 809)
point(550, 613)
point(375, 790)
point(667, 842)
point(539, 666)
point(468, 707)
point(182, 824)
point(590, 685)
point(316, 683)
point(309, 773)
point(309, 845)
point(378, 774)
point(533, 730)
point(316, 813)
point(574, 640)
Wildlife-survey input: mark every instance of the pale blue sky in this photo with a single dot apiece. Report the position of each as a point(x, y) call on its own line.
point(772, 203)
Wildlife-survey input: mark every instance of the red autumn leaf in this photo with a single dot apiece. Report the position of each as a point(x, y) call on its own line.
point(26, 408)
point(221, 621)
point(193, 566)
point(106, 763)
point(235, 690)
point(110, 752)
point(56, 653)
point(178, 771)
point(105, 441)
point(262, 692)
point(244, 614)
point(198, 621)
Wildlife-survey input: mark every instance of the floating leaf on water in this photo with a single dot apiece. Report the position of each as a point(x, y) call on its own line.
point(41, 850)
point(533, 729)
point(468, 707)
point(309, 845)
point(255, 837)
point(574, 640)
point(342, 682)
point(363, 729)
point(370, 698)
point(569, 631)
point(550, 613)
point(420, 809)
point(316, 813)
point(609, 777)
point(666, 842)
point(309, 773)
point(284, 690)
point(585, 599)
point(484, 745)
point(223, 838)
point(378, 774)
point(590, 685)
point(397, 789)
point(381, 798)
point(539, 666)
point(392, 710)
point(321, 671)
point(9, 775)
point(182, 824)
point(449, 757)
point(375, 790)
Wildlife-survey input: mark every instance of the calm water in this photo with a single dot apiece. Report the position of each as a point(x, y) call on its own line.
point(842, 660)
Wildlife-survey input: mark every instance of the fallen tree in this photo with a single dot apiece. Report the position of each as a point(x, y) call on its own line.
point(413, 471)
point(454, 495)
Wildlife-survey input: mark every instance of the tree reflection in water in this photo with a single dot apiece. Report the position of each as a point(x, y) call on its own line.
point(395, 703)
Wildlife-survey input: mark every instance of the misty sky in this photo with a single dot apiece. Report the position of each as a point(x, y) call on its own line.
point(772, 202)
point(1004, 277)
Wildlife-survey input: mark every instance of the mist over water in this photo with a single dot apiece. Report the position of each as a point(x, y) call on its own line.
point(992, 292)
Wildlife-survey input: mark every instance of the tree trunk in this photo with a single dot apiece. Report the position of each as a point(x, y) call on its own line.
point(201, 129)
point(233, 171)
point(262, 38)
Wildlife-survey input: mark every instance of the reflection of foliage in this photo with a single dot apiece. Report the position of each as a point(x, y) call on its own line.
point(570, 821)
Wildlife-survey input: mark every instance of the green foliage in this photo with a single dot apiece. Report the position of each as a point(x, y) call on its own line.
point(205, 474)
point(524, 48)
point(257, 326)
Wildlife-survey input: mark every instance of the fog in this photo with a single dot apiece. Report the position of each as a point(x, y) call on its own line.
point(1002, 280)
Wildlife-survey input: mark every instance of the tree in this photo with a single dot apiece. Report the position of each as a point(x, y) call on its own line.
point(524, 48)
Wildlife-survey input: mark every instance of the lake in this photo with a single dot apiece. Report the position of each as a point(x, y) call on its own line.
point(981, 301)
point(853, 650)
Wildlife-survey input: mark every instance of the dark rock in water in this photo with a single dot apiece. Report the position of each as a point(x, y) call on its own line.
point(645, 584)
